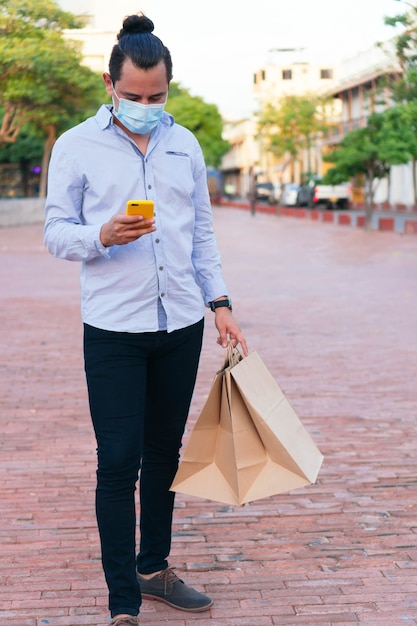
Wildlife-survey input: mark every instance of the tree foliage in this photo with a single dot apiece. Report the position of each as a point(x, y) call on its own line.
point(293, 124)
point(42, 79)
point(404, 89)
point(201, 118)
point(31, 48)
point(370, 151)
point(406, 41)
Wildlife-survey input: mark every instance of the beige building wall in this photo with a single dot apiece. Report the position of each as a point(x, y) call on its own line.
point(288, 73)
point(298, 78)
point(292, 75)
point(244, 155)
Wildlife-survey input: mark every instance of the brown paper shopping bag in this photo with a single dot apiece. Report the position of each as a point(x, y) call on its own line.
point(248, 442)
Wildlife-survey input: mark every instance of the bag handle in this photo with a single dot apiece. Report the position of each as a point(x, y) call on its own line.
point(233, 355)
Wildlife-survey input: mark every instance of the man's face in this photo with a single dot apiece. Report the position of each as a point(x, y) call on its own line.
point(138, 85)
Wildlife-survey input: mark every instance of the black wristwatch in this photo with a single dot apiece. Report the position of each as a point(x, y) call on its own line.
point(220, 303)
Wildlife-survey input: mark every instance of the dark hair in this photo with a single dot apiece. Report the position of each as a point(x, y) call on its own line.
point(137, 43)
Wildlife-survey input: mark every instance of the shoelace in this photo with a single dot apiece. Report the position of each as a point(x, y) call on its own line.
point(169, 577)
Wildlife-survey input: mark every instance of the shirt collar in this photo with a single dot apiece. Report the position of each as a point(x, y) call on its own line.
point(104, 117)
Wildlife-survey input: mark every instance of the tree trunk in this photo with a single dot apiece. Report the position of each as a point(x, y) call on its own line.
point(369, 200)
point(252, 190)
point(47, 149)
point(12, 122)
point(24, 170)
point(389, 187)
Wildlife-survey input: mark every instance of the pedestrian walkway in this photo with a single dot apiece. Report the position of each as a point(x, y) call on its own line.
point(332, 312)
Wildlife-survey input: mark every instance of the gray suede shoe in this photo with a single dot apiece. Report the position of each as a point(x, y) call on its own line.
point(167, 587)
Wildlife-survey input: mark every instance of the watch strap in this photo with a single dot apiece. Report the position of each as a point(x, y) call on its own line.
point(226, 302)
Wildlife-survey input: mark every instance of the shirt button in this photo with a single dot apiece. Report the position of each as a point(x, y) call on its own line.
point(156, 240)
point(162, 294)
point(149, 186)
point(161, 267)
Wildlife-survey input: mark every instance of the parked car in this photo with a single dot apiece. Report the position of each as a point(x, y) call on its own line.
point(305, 195)
point(333, 196)
point(263, 190)
point(275, 195)
point(289, 194)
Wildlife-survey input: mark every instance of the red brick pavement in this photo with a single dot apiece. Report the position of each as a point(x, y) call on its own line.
point(333, 312)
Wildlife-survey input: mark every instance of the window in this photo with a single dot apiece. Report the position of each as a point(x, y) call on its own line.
point(286, 74)
point(259, 77)
point(326, 73)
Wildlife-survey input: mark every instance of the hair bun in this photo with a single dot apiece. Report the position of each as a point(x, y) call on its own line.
point(136, 24)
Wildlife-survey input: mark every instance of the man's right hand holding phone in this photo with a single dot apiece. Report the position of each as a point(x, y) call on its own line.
point(123, 229)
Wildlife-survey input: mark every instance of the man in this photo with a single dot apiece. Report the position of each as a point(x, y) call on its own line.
point(144, 284)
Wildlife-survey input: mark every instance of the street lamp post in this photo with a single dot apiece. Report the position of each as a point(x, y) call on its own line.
point(252, 190)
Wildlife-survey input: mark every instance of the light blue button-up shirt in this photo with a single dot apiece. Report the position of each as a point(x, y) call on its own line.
point(95, 168)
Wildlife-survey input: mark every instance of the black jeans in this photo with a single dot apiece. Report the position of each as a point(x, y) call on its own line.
point(140, 388)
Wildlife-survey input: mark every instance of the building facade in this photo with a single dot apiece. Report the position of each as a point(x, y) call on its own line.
point(244, 155)
point(292, 74)
point(357, 85)
point(362, 89)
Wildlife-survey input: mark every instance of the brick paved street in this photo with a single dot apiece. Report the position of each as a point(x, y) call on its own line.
point(333, 313)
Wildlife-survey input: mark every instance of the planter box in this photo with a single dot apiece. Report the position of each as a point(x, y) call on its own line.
point(345, 219)
point(386, 223)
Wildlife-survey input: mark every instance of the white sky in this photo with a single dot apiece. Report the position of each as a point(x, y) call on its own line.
point(218, 45)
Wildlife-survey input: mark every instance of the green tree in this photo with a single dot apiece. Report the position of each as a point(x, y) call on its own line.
point(370, 151)
point(294, 124)
point(42, 80)
point(203, 119)
point(406, 41)
point(400, 123)
point(404, 88)
point(30, 30)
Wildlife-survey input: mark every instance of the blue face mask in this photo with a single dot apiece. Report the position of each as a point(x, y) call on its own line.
point(138, 118)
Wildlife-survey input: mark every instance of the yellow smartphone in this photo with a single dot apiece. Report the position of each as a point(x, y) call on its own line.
point(140, 207)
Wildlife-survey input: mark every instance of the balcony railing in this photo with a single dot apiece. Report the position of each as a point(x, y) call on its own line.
point(339, 130)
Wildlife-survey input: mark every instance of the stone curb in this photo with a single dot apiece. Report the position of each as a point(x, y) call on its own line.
point(401, 223)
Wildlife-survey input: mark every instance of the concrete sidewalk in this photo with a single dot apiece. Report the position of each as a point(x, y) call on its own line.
point(333, 313)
